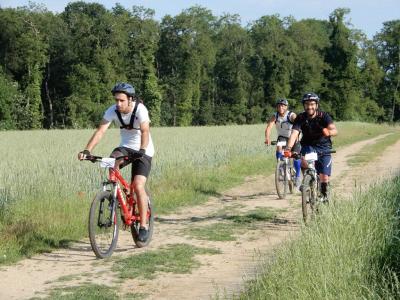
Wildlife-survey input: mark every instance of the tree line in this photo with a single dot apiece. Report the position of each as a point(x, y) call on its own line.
point(57, 70)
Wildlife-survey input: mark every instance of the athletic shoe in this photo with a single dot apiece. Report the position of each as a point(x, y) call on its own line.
point(143, 234)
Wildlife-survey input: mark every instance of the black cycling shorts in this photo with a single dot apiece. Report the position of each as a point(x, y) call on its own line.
point(140, 166)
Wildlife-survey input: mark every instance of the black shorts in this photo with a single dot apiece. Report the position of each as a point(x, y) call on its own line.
point(296, 147)
point(139, 166)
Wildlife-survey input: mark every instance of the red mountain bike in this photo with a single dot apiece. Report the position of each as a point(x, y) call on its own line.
point(104, 216)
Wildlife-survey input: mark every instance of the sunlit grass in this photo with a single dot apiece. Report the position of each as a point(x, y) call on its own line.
point(174, 258)
point(231, 225)
point(369, 152)
point(350, 252)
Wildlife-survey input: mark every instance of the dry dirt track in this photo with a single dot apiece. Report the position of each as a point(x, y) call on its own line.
point(223, 273)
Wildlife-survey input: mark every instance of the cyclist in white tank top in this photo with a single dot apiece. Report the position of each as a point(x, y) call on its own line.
point(284, 123)
point(283, 120)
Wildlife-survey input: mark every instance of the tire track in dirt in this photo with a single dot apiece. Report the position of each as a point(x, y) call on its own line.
point(223, 273)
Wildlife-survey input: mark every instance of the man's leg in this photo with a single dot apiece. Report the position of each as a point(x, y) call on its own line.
point(324, 168)
point(117, 152)
point(278, 154)
point(297, 167)
point(140, 172)
point(324, 179)
point(139, 183)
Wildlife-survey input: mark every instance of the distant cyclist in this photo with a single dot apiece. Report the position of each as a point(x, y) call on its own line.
point(133, 118)
point(317, 128)
point(283, 120)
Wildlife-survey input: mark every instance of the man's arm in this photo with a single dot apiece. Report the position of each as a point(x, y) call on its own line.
point(145, 130)
point(332, 129)
point(293, 137)
point(293, 117)
point(271, 123)
point(96, 137)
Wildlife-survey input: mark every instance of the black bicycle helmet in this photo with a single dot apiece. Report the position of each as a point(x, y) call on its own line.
point(282, 101)
point(310, 97)
point(125, 88)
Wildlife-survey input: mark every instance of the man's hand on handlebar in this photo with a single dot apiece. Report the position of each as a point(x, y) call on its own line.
point(83, 154)
point(326, 132)
point(267, 141)
point(139, 154)
point(290, 154)
point(287, 153)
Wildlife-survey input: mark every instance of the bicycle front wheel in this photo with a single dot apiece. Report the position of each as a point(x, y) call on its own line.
point(307, 198)
point(281, 179)
point(291, 181)
point(103, 224)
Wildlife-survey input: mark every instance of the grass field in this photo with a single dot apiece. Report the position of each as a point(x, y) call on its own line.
point(350, 252)
point(45, 192)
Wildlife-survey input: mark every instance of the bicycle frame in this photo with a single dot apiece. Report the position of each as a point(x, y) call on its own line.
point(127, 207)
point(285, 165)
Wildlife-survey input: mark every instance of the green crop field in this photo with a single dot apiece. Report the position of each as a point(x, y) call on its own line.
point(45, 192)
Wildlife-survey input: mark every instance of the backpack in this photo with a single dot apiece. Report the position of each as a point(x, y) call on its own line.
point(130, 125)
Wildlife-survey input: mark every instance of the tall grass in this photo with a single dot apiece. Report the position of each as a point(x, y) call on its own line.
point(351, 251)
point(45, 191)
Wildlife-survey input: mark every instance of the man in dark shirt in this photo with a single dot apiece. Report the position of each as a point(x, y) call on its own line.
point(317, 128)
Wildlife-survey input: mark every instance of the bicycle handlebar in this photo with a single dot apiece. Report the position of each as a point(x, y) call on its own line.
point(95, 158)
point(296, 155)
point(274, 143)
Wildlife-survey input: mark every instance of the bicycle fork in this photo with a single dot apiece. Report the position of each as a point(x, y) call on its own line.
point(107, 222)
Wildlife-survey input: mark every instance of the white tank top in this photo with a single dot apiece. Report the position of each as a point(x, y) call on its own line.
point(283, 124)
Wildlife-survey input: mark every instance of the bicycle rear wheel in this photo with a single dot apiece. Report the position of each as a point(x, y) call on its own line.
point(103, 224)
point(281, 180)
point(136, 225)
point(308, 199)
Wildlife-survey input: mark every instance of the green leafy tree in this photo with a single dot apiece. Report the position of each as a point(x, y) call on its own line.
point(387, 44)
point(272, 61)
point(186, 55)
point(96, 41)
point(142, 44)
point(311, 37)
point(371, 78)
point(231, 73)
point(10, 98)
point(341, 87)
point(26, 47)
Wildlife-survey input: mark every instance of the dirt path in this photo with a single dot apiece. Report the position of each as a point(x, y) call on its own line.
point(223, 273)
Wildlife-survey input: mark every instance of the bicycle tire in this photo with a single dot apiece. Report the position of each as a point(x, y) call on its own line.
point(281, 182)
point(291, 183)
point(307, 199)
point(150, 221)
point(103, 224)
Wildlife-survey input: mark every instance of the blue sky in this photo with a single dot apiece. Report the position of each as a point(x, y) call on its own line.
point(366, 15)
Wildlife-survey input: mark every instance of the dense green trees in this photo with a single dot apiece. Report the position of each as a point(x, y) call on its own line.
point(388, 47)
point(56, 70)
